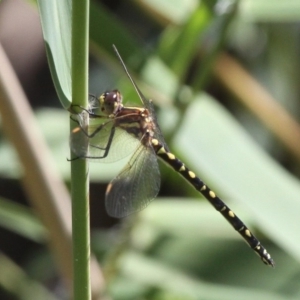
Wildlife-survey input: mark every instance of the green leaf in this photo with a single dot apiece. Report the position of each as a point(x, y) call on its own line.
point(56, 24)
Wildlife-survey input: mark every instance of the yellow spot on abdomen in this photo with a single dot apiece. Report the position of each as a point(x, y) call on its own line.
point(171, 156)
point(162, 150)
point(212, 194)
point(231, 214)
point(203, 188)
point(192, 174)
point(182, 168)
point(247, 232)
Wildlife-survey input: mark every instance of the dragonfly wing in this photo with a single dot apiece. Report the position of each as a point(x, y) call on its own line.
point(136, 185)
point(100, 141)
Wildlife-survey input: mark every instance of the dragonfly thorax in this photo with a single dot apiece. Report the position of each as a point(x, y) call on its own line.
point(110, 102)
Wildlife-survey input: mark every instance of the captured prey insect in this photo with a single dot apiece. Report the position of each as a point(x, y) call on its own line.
point(115, 131)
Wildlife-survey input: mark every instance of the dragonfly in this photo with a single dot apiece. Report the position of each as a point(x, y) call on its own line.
point(108, 131)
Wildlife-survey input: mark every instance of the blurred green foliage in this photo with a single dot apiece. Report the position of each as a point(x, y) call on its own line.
point(178, 248)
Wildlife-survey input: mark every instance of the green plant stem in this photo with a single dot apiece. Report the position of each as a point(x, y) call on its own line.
point(79, 168)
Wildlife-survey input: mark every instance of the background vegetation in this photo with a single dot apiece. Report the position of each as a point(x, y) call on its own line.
point(224, 76)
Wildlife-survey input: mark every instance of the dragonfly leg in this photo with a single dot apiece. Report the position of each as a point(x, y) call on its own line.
point(107, 147)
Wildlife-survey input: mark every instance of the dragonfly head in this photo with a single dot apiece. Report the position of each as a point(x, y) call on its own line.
point(110, 102)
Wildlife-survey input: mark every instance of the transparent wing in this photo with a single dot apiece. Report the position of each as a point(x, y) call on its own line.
point(136, 185)
point(100, 140)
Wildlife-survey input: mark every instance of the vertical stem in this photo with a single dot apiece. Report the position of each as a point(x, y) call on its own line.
point(79, 168)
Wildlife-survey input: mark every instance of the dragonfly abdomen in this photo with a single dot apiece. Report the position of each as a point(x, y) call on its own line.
point(217, 203)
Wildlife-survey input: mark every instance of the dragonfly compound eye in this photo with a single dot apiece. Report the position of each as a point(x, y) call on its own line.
point(110, 102)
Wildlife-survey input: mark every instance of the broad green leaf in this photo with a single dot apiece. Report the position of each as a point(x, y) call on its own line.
point(56, 24)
